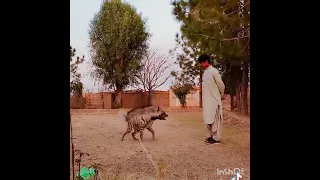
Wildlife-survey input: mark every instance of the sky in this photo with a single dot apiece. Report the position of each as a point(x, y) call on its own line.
point(161, 23)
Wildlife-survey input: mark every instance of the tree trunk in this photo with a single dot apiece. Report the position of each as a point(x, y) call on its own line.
point(200, 91)
point(119, 90)
point(118, 99)
point(231, 102)
point(183, 102)
point(238, 95)
point(149, 98)
point(244, 89)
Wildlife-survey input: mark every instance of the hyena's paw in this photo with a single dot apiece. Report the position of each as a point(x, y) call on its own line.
point(133, 136)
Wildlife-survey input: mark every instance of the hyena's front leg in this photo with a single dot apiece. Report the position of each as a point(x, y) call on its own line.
point(129, 129)
point(152, 131)
point(134, 134)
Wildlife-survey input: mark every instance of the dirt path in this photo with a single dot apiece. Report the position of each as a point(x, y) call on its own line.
point(179, 145)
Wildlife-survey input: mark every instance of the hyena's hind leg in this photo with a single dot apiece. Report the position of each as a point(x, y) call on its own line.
point(152, 131)
point(129, 129)
point(141, 134)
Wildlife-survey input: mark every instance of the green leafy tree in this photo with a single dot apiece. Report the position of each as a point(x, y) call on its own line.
point(221, 27)
point(181, 87)
point(76, 86)
point(118, 42)
point(187, 60)
point(187, 55)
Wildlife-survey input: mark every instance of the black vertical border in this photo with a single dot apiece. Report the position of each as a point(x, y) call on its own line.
point(283, 73)
point(36, 100)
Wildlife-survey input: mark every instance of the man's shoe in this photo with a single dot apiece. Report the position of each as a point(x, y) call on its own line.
point(213, 141)
point(209, 139)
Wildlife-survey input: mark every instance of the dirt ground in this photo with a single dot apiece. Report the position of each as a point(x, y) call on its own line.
point(179, 146)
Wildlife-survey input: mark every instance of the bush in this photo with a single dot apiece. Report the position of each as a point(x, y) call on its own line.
point(181, 91)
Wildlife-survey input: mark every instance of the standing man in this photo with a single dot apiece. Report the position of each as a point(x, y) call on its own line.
point(213, 94)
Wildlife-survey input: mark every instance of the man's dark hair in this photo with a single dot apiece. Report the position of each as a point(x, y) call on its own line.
point(204, 58)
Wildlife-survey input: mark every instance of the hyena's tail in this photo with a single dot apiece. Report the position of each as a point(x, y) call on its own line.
point(122, 115)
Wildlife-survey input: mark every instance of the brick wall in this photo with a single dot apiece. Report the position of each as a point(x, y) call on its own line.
point(134, 99)
point(129, 100)
point(192, 98)
point(76, 103)
point(107, 100)
point(94, 100)
point(160, 98)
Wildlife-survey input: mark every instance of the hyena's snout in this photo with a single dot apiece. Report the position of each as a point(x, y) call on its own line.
point(163, 116)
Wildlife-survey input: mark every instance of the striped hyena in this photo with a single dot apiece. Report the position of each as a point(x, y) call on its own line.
point(142, 118)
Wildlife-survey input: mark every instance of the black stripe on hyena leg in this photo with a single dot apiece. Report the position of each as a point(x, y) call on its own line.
point(129, 129)
point(141, 135)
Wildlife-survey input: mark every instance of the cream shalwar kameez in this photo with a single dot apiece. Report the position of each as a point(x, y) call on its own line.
point(213, 90)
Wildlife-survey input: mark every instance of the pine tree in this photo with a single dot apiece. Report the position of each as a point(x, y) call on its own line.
point(187, 60)
point(218, 27)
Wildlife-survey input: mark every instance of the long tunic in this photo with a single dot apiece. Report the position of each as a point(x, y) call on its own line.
point(213, 90)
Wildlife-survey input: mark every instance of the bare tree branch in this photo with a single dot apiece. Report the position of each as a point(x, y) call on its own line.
point(238, 9)
point(155, 70)
point(231, 39)
point(236, 38)
point(206, 36)
point(245, 46)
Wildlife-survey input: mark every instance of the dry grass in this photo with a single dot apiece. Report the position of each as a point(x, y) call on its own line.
point(179, 151)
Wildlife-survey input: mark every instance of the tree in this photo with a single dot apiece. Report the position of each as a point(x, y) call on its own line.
point(181, 87)
point(154, 73)
point(189, 65)
point(187, 60)
point(232, 79)
point(76, 85)
point(221, 27)
point(216, 25)
point(118, 42)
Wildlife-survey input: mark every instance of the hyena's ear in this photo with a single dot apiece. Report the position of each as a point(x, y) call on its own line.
point(158, 108)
